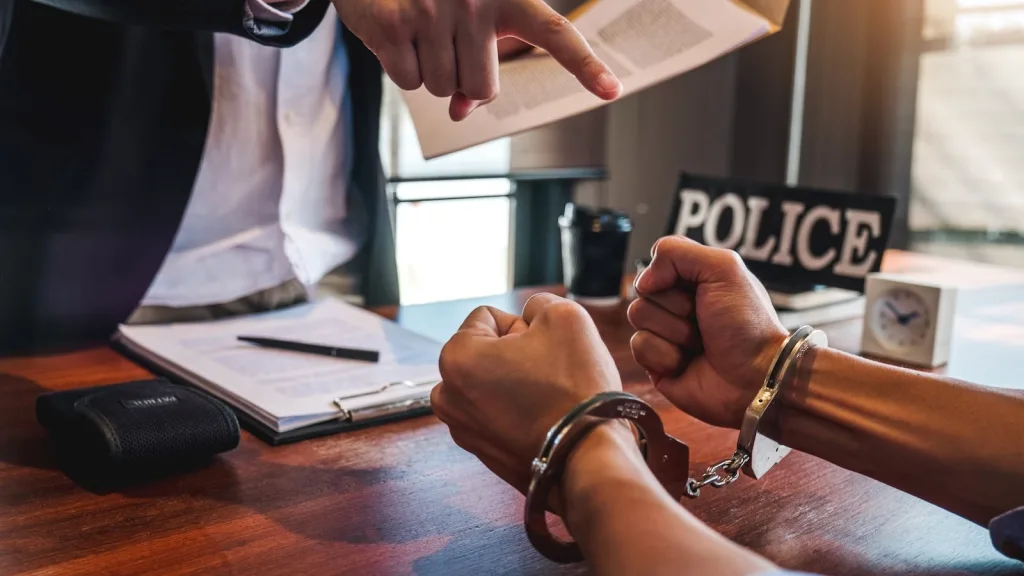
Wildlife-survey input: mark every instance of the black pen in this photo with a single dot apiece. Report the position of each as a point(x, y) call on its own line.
point(347, 353)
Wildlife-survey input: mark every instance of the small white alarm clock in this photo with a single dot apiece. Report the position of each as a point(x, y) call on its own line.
point(907, 320)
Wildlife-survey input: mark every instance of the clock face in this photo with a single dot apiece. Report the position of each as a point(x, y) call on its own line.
point(901, 319)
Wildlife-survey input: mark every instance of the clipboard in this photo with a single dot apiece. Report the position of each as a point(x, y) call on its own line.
point(347, 420)
point(281, 395)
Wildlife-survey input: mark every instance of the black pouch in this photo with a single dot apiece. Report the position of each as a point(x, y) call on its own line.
point(113, 436)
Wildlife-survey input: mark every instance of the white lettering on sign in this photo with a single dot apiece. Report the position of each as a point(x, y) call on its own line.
point(790, 212)
point(693, 211)
point(756, 207)
point(803, 239)
point(850, 258)
point(861, 225)
point(734, 203)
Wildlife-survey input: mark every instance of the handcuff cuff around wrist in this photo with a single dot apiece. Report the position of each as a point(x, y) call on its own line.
point(667, 457)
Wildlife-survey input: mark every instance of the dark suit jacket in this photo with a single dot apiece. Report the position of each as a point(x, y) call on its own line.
point(104, 106)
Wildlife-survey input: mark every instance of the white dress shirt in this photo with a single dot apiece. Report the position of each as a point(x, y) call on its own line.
point(269, 203)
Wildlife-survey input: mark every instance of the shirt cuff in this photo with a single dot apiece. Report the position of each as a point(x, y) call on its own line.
point(269, 18)
point(275, 11)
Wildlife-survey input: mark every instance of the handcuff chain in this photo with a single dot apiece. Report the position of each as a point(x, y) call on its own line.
point(721, 474)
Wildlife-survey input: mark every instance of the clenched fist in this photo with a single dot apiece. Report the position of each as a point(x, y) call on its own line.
point(706, 329)
point(507, 379)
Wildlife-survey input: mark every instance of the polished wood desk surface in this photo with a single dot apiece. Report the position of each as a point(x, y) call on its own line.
point(402, 498)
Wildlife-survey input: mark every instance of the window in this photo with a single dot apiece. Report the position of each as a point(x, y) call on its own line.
point(455, 247)
point(453, 215)
point(967, 197)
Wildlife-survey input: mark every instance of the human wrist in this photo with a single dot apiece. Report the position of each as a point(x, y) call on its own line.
point(787, 368)
point(623, 520)
point(814, 364)
point(606, 484)
point(805, 419)
point(607, 458)
point(764, 360)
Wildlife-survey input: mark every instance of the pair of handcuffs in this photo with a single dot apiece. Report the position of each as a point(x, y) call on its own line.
point(667, 457)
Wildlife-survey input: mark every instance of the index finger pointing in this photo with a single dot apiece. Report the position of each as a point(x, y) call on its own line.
point(535, 22)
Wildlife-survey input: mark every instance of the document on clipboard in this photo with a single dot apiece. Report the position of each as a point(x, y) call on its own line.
point(283, 395)
point(644, 42)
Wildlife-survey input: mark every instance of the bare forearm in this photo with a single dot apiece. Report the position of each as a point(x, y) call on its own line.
point(627, 524)
point(957, 445)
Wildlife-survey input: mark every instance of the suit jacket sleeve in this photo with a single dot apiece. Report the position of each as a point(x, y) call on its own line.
point(230, 16)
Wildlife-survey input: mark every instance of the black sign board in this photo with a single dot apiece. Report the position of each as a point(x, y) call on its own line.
point(787, 236)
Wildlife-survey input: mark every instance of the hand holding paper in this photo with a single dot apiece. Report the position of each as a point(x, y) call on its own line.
point(451, 46)
point(643, 42)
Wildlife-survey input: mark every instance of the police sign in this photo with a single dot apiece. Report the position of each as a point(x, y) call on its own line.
point(787, 235)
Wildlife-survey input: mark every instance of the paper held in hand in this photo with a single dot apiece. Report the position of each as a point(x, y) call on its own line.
point(643, 41)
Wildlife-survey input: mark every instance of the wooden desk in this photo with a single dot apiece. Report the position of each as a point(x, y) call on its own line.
point(403, 499)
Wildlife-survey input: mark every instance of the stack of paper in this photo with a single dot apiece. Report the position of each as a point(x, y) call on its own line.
point(643, 41)
point(820, 305)
point(286, 390)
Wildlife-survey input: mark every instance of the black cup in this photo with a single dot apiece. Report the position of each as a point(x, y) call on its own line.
point(594, 243)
